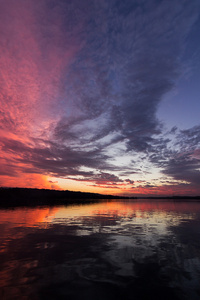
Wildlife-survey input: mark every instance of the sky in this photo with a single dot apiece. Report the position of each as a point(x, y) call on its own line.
point(100, 96)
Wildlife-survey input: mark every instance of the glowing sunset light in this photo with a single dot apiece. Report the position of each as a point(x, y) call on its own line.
point(100, 96)
point(31, 217)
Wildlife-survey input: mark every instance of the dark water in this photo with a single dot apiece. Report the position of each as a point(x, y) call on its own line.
point(109, 250)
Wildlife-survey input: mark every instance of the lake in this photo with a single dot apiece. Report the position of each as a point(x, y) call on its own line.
point(106, 250)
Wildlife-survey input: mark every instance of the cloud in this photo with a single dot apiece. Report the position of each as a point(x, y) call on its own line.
point(35, 52)
point(177, 155)
point(184, 168)
point(81, 83)
point(189, 139)
point(128, 62)
point(185, 164)
point(57, 161)
point(51, 158)
point(129, 181)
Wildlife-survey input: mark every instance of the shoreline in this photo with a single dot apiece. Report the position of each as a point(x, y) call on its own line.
point(14, 197)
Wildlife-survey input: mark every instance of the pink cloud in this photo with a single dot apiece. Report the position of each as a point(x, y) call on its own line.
point(35, 53)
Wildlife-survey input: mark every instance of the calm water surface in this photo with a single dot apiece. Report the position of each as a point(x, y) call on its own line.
point(108, 250)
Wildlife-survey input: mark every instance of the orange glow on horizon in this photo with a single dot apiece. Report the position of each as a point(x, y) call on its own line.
point(26, 180)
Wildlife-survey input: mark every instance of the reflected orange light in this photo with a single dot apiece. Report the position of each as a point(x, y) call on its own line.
point(125, 208)
point(30, 216)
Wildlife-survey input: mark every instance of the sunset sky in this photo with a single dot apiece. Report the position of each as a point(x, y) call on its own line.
point(100, 95)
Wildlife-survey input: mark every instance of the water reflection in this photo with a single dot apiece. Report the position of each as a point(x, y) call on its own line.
point(108, 250)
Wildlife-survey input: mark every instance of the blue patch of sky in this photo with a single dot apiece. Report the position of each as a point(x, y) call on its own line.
point(181, 106)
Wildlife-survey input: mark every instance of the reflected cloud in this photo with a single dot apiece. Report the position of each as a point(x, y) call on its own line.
point(110, 248)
